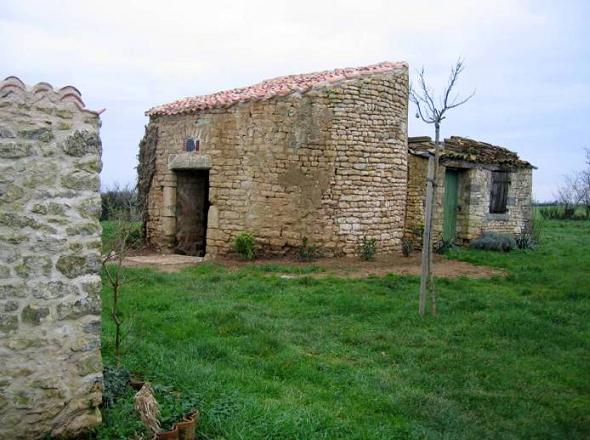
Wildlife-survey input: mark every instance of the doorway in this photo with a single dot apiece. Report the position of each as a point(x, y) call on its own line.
point(450, 205)
point(192, 205)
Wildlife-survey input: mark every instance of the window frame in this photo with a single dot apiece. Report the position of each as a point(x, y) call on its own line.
point(499, 188)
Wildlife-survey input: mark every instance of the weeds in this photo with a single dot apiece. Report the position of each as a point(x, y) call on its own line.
point(407, 247)
point(367, 249)
point(244, 246)
point(307, 252)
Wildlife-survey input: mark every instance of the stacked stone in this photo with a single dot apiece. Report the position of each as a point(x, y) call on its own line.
point(329, 165)
point(370, 136)
point(519, 204)
point(475, 183)
point(50, 364)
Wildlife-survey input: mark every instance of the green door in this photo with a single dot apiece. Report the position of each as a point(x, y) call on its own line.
point(450, 205)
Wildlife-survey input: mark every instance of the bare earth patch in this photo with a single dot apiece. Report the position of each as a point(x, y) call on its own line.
point(164, 263)
point(345, 267)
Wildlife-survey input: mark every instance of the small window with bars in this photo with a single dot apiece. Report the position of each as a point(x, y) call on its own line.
point(499, 192)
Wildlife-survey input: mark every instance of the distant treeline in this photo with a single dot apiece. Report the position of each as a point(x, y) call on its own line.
point(560, 211)
point(118, 200)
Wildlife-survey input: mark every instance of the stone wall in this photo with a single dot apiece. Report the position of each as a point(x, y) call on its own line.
point(519, 203)
point(50, 364)
point(329, 164)
point(473, 217)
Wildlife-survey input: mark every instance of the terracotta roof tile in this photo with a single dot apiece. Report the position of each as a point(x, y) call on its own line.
point(281, 86)
point(12, 87)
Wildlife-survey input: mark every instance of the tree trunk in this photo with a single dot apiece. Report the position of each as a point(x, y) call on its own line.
point(426, 237)
point(437, 153)
point(426, 276)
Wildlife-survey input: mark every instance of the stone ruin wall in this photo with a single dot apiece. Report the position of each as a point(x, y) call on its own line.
point(329, 165)
point(50, 363)
point(473, 217)
point(519, 203)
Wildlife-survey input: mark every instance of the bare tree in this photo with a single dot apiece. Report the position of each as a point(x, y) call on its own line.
point(433, 111)
point(567, 195)
point(575, 190)
point(114, 250)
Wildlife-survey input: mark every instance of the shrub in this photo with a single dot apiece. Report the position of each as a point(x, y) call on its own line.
point(244, 246)
point(367, 249)
point(116, 199)
point(443, 245)
point(307, 252)
point(524, 240)
point(531, 234)
point(407, 247)
point(494, 242)
point(115, 381)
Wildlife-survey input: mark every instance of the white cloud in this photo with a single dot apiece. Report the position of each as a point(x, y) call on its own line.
point(524, 57)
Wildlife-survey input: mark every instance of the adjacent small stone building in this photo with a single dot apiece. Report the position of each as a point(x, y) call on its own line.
point(323, 156)
point(482, 188)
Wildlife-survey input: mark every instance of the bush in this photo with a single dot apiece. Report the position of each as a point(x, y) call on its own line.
point(244, 246)
point(116, 199)
point(407, 247)
point(115, 380)
point(307, 252)
point(367, 249)
point(494, 242)
point(443, 245)
point(531, 234)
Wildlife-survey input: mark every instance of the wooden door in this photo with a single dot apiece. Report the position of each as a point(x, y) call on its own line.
point(450, 205)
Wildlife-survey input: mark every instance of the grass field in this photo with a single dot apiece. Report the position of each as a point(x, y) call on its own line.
point(324, 358)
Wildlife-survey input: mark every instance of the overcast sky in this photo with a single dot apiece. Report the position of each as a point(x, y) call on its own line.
point(529, 61)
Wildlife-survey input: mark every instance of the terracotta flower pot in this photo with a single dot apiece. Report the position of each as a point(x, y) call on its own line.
point(186, 428)
point(168, 435)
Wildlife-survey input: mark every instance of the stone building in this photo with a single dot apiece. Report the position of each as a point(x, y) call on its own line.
point(482, 188)
point(50, 363)
point(321, 156)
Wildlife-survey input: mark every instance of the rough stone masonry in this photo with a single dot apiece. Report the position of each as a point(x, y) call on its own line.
point(320, 156)
point(50, 363)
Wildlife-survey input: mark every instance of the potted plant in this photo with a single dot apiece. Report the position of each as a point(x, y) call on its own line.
point(168, 435)
point(186, 427)
point(178, 411)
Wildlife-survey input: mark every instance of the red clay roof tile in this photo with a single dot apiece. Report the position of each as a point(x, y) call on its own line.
point(281, 86)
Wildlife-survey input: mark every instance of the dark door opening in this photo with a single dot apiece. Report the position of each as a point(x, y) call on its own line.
point(192, 205)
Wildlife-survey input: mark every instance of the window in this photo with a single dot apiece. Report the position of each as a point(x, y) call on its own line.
point(499, 192)
point(191, 144)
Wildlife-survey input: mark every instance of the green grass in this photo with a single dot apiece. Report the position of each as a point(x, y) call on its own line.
point(324, 358)
point(109, 231)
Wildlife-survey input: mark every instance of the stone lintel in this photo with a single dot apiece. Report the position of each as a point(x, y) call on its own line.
point(189, 161)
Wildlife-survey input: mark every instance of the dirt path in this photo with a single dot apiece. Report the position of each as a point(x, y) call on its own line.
point(163, 263)
point(346, 267)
